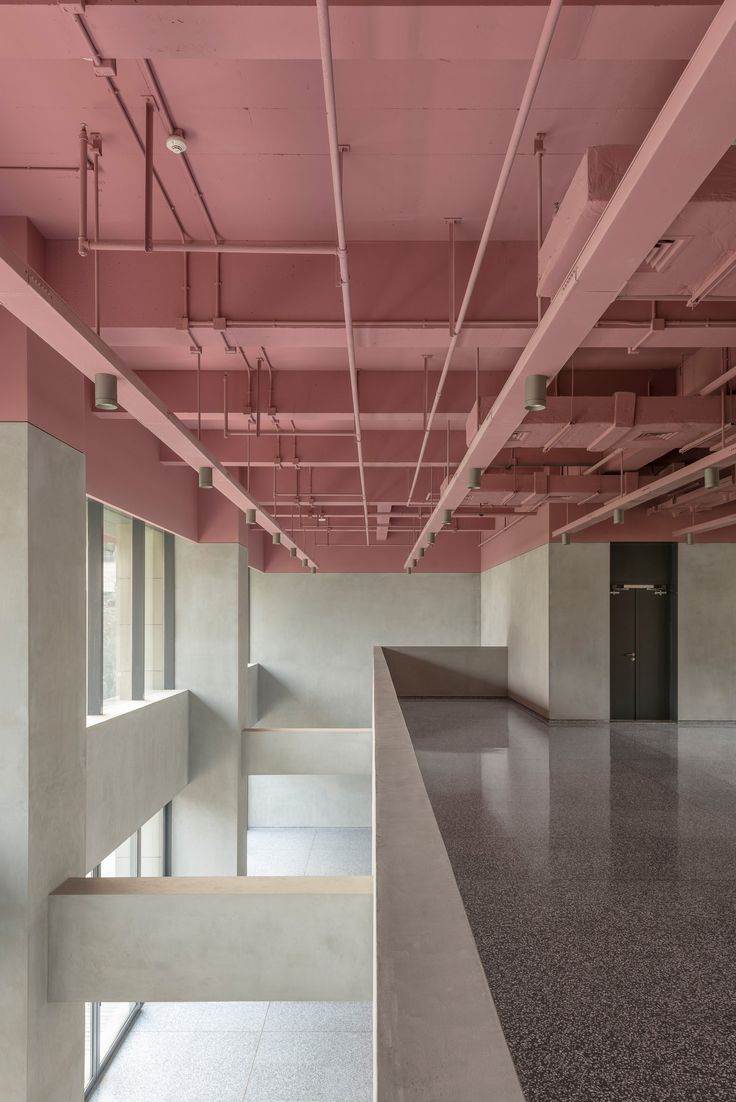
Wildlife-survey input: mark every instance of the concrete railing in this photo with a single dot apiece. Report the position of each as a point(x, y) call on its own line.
point(260, 938)
point(437, 1034)
point(137, 760)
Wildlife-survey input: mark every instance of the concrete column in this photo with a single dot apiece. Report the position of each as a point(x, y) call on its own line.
point(210, 815)
point(706, 638)
point(42, 746)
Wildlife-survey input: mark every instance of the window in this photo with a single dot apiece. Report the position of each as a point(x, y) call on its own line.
point(130, 615)
point(106, 1025)
point(117, 606)
point(154, 610)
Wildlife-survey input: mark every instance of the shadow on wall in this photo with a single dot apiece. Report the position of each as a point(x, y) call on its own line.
point(448, 671)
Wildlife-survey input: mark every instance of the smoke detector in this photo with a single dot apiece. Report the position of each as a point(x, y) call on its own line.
point(176, 142)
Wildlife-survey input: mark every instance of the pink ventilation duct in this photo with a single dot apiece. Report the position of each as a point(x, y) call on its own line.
point(688, 138)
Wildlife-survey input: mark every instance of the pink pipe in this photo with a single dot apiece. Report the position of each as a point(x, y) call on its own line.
point(209, 247)
point(325, 44)
point(82, 240)
point(540, 56)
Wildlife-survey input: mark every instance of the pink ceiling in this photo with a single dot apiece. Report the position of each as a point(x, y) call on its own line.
point(427, 96)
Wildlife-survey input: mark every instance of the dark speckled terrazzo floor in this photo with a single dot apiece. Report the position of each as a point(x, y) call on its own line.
point(598, 870)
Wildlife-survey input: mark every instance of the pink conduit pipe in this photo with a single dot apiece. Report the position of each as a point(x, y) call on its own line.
point(325, 46)
point(305, 249)
point(545, 40)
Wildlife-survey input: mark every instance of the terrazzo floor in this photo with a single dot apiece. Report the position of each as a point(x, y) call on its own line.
point(256, 1052)
point(597, 866)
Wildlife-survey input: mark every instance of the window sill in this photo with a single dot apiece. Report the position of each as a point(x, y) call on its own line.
point(114, 708)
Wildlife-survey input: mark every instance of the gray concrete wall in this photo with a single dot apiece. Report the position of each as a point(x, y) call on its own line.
point(137, 760)
point(448, 671)
point(310, 800)
point(579, 631)
point(210, 815)
point(233, 938)
point(515, 601)
point(313, 635)
point(42, 750)
point(706, 621)
point(307, 750)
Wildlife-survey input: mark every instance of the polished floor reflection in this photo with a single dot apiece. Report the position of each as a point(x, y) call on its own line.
point(598, 870)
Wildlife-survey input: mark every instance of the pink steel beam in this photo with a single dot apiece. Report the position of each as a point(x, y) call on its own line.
point(719, 382)
point(25, 295)
point(686, 141)
point(545, 40)
point(652, 490)
point(707, 525)
point(328, 78)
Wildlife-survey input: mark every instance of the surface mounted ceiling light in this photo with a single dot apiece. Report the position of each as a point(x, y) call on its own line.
point(618, 516)
point(414, 563)
point(250, 516)
point(690, 539)
point(535, 393)
point(276, 537)
point(565, 539)
point(305, 562)
point(205, 478)
point(432, 537)
point(314, 569)
point(106, 391)
point(408, 570)
point(421, 552)
point(711, 478)
point(446, 517)
point(474, 478)
point(176, 142)
point(292, 552)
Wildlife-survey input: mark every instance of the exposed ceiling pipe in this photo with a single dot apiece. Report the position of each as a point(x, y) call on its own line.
point(652, 490)
point(28, 298)
point(540, 56)
point(286, 249)
point(686, 141)
point(325, 46)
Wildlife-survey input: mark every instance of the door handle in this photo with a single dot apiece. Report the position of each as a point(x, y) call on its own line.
point(630, 654)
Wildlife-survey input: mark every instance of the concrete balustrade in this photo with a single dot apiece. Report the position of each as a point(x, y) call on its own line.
point(437, 1033)
point(211, 938)
point(137, 760)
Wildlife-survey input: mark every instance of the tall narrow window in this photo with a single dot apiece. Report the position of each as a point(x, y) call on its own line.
point(116, 606)
point(154, 610)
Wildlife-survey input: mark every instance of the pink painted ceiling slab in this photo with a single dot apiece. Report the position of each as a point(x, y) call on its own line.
point(426, 97)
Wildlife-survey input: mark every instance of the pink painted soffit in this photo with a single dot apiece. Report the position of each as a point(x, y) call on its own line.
point(688, 138)
point(32, 302)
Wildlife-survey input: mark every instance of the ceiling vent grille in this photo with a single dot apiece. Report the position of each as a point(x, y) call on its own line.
point(655, 435)
point(663, 253)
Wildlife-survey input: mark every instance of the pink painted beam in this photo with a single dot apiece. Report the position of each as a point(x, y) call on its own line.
point(652, 490)
point(686, 141)
point(712, 525)
point(25, 295)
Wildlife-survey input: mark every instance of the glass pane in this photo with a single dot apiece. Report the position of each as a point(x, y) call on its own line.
point(152, 846)
point(87, 1042)
point(117, 554)
point(154, 615)
point(112, 1019)
point(123, 861)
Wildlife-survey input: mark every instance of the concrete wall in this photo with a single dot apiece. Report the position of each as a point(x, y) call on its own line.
point(42, 750)
point(307, 751)
point(515, 600)
point(706, 622)
point(137, 760)
point(579, 631)
point(448, 671)
point(231, 938)
point(210, 815)
point(310, 800)
point(313, 637)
